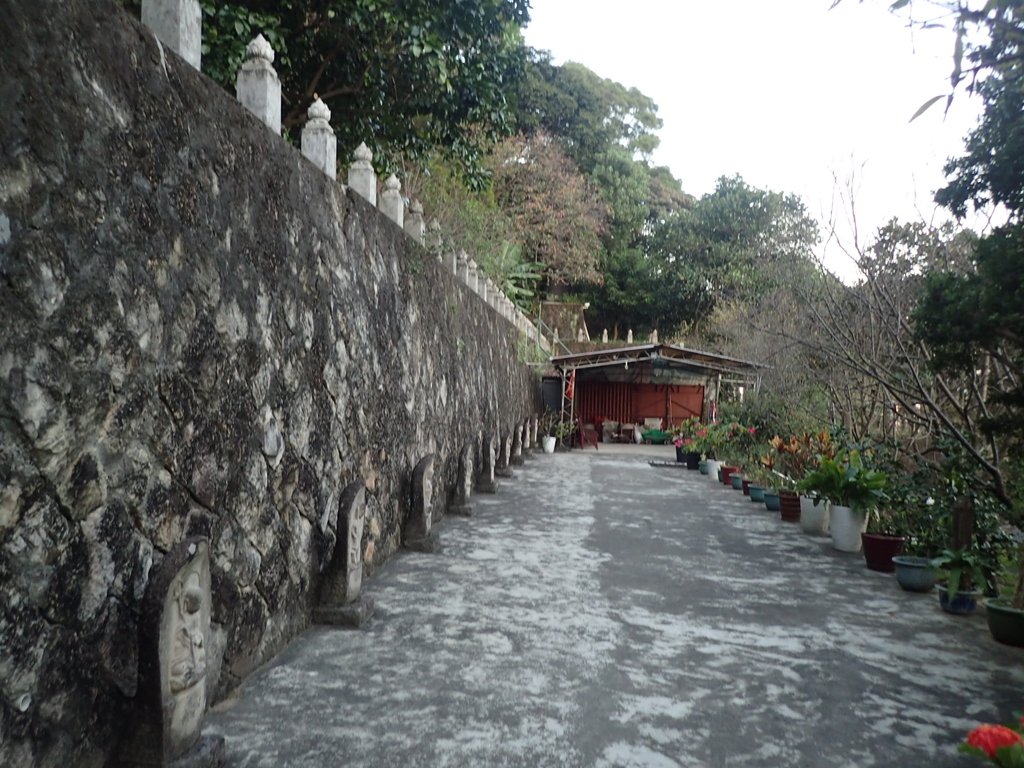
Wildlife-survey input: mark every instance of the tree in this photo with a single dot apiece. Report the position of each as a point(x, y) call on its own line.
point(590, 114)
point(725, 247)
point(556, 212)
point(992, 170)
point(407, 78)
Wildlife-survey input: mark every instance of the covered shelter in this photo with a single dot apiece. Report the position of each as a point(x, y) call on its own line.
point(648, 381)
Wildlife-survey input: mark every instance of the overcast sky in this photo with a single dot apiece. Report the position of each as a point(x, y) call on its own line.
point(787, 93)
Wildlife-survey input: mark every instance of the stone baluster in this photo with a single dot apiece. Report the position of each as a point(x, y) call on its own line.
point(580, 336)
point(178, 24)
point(318, 141)
point(434, 241)
point(414, 226)
point(450, 261)
point(485, 288)
point(604, 336)
point(485, 482)
point(258, 88)
point(391, 203)
point(474, 277)
point(654, 336)
point(629, 336)
point(462, 267)
point(361, 177)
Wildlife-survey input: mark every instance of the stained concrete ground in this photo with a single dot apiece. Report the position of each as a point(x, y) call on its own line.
point(598, 611)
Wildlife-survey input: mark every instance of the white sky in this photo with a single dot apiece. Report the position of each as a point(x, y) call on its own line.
point(787, 93)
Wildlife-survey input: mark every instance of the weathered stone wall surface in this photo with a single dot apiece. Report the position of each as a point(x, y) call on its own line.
point(200, 334)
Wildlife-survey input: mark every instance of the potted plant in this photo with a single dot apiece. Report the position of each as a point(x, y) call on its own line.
point(549, 424)
point(683, 437)
point(853, 490)
point(1006, 616)
point(914, 514)
point(964, 576)
point(813, 514)
point(563, 431)
point(883, 539)
point(757, 479)
point(913, 567)
point(789, 500)
point(978, 550)
point(798, 456)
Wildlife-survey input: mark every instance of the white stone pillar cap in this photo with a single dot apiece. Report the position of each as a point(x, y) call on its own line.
point(259, 48)
point(362, 154)
point(318, 110)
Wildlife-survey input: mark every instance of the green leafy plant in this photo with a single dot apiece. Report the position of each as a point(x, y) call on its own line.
point(548, 423)
point(1009, 579)
point(683, 434)
point(847, 482)
point(965, 569)
point(515, 276)
point(563, 430)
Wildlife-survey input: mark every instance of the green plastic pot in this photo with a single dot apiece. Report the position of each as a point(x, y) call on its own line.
point(1005, 623)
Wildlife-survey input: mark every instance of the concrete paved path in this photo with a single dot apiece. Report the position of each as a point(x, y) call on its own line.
point(601, 612)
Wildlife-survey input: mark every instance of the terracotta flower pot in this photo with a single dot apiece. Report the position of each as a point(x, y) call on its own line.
point(727, 474)
point(789, 506)
point(879, 550)
point(746, 487)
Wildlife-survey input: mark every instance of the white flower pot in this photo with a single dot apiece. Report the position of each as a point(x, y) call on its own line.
point(813, 519)
point(846, 526)
point(548, 443)
point(713, 467)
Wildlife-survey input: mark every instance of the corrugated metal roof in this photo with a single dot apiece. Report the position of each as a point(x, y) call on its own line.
point(673, 354)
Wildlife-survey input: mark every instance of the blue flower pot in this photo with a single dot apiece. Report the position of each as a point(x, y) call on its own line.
point(737, 482)
point(914, 574)
point(772, 502)
point(963, 604)
point(756, 493)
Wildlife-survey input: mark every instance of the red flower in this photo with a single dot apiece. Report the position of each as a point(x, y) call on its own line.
point(752, 430)
point(990, 738)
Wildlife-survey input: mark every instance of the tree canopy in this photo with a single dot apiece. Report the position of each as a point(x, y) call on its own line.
point(406, 78)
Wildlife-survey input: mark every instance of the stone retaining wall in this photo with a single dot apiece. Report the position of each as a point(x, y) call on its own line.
point(202, 334)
